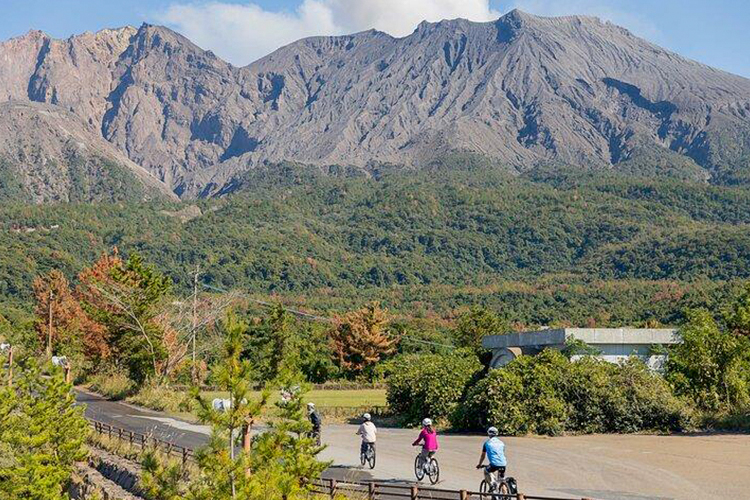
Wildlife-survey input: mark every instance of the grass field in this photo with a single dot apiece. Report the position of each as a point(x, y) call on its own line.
point(328, 398)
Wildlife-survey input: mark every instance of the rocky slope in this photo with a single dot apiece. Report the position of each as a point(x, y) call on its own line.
point(48, 155)
point(523, 91)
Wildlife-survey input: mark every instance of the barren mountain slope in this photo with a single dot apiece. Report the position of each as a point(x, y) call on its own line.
point(523, 91)
point(47, 154)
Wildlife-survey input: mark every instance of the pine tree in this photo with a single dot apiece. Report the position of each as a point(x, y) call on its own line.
point(42, 434)
point(222, 468)
point(280, 462)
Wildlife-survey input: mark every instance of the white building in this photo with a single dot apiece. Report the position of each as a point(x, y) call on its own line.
point(612, 344)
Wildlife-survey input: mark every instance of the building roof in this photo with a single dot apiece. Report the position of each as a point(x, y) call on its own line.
point(592, 336)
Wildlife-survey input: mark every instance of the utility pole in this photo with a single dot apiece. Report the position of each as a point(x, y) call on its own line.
point(195, 320)
point(49, 328)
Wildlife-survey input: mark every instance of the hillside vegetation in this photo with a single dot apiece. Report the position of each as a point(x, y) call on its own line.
point(563, 248)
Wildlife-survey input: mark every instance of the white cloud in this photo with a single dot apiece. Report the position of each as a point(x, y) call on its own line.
point(400, 17)
point(241, 33)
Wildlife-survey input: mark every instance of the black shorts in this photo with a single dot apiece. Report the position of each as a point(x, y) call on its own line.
point(496, 468)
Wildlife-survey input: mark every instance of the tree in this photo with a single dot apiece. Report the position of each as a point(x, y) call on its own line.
point(271, 343)
point(42, 435)
point(278, 463)
point(711, 364)
point(63, 326)
point(221, 469)
point(361, 338)
point(476, 324)
point(737, 314)
point(128, 297)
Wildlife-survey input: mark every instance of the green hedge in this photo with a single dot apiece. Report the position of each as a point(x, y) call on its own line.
point(548, 394)
point(430, 385)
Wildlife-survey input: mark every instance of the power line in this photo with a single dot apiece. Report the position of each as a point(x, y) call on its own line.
point(314, 317)
point(263, 303)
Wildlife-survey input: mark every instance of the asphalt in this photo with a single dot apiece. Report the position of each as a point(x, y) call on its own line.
point(605, 467)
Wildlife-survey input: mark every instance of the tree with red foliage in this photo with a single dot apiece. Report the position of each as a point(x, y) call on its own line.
point(63, 326)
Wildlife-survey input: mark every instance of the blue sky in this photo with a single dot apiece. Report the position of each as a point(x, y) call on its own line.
point(713, 32)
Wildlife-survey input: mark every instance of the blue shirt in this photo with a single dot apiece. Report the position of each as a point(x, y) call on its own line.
point(495, 450)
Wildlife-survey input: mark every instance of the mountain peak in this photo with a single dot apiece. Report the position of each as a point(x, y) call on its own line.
point(522, 91)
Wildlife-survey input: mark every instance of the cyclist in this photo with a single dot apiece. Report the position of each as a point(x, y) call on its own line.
point(494, 450)
point(314, 418)
point(429, 440)
point(368, 431)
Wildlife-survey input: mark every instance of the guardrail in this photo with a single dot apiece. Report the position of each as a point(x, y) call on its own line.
point(328, 487)
point(142, 440)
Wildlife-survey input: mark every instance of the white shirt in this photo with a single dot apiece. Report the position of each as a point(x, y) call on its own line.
point(368, 431)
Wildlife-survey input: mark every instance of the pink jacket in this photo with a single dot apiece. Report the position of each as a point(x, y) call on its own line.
point(430, 440)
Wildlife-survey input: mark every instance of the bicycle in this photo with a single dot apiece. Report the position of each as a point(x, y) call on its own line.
point(503, 487)
point(430, 469)
point(368, 456)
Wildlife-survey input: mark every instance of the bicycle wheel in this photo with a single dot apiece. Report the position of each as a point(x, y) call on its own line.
point(484, 488)
point(434, 471)
point(362, 458)
point(418, 468)
point(371, 458)
point(504, 490)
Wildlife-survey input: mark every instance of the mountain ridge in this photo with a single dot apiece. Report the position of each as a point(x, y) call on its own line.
point(522, 91)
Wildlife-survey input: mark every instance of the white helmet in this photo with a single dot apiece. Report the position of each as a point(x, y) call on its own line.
point(367, 417)
point(492, 431)
point(310, 406)
point(426, 422)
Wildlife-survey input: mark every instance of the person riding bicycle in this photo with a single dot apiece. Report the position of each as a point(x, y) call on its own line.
point(429, 440)
point(314, 418)
point(494, 450)
point(368, 431)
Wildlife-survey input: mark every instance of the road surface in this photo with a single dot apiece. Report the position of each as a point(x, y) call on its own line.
point(606, 467)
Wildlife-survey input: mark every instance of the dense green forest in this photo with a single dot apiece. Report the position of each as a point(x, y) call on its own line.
point(546, 248)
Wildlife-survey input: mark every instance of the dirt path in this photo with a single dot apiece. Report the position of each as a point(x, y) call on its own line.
point(607, 467)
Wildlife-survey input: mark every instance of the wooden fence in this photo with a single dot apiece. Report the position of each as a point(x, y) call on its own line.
point(388, 491)
point(142, 440)
point(329, 487)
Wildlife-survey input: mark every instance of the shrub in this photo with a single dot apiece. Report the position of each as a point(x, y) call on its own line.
point(548, 394)
point(114, 385)
point(711, 365)
point(429, 385)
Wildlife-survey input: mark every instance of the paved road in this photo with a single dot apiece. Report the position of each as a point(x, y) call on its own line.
point(607, 467)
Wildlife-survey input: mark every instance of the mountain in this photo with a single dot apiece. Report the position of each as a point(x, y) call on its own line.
point(523, 92)
point(48, 154)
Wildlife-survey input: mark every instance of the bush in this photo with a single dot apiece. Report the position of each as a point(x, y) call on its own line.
point(548, 394)
point(113, 385)
point(429, 385)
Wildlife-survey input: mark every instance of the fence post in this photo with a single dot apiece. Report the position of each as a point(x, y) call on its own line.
point(521, 496)
point(143, 441)
point(463, 495)
point(414, 493)
point(371, 490)
point(333, 488)
point(184, 456)
point(130, 438)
